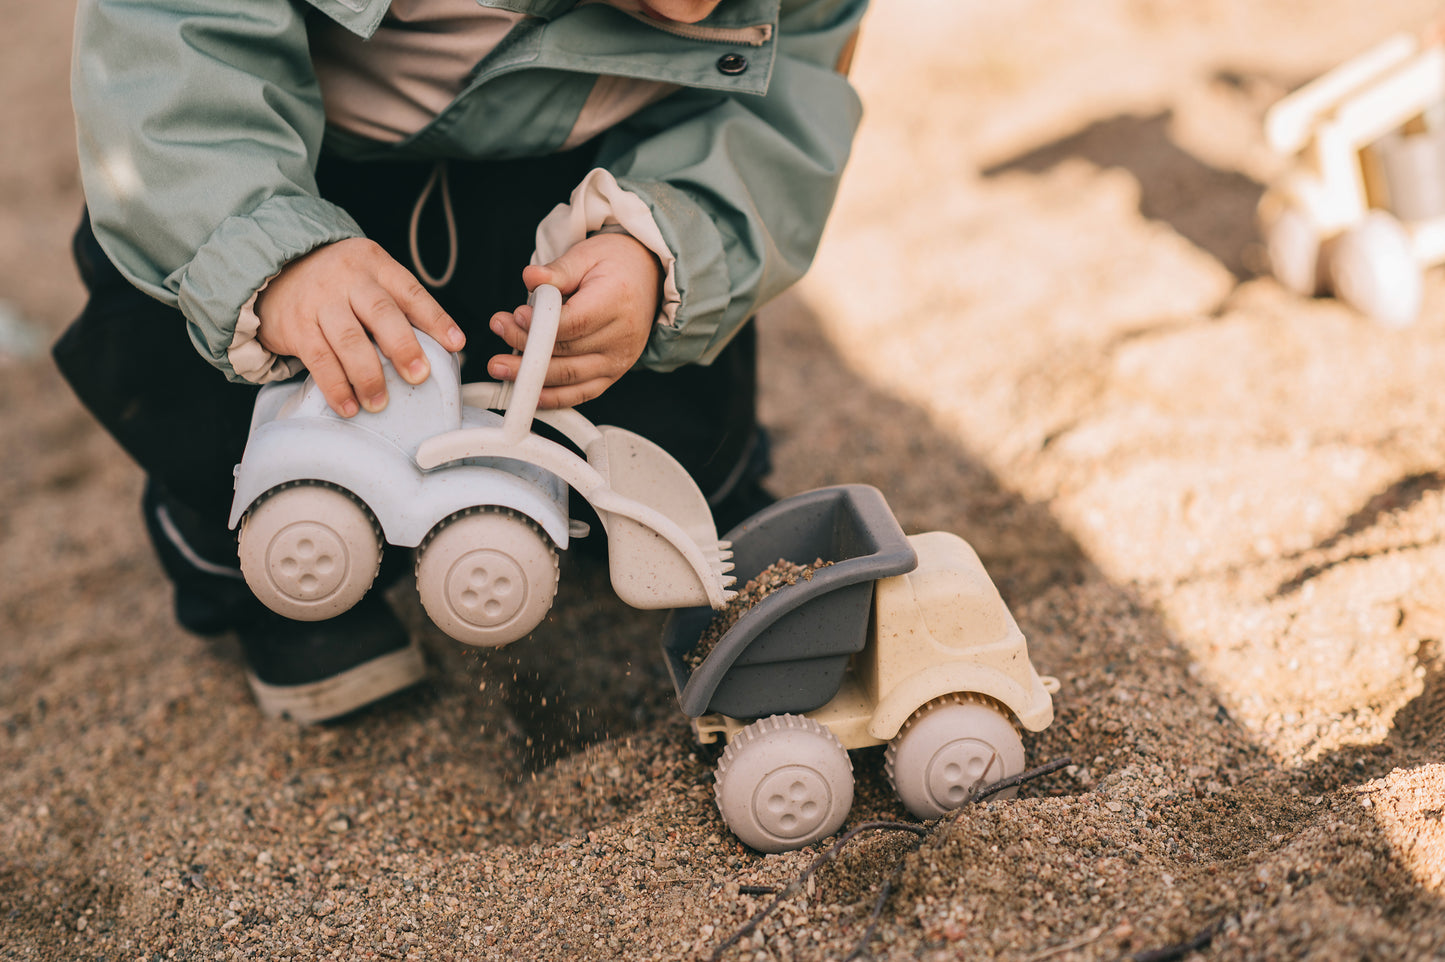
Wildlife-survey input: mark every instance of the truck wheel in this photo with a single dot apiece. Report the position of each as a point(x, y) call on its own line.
point(1374, 270)
point(948, 747)
point(487, 576)
point(309, 550)
point(784, 782)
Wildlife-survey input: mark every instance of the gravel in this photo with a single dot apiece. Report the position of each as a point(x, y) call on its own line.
point(1215, 509)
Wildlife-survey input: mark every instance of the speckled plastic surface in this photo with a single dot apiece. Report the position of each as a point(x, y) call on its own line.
point(784, 782)
point(487, 576)
point(902, 641)
point(949, 749)
point(309, 551)
point(457, 472)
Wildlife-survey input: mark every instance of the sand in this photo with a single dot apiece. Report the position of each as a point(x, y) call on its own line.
point(1215, 508)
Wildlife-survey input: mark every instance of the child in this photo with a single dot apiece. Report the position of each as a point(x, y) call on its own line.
point(276, 186)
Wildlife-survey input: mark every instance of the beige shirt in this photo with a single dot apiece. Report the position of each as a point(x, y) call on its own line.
point(391, 86)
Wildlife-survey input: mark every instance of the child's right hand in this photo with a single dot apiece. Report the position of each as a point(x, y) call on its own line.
point(328, 306)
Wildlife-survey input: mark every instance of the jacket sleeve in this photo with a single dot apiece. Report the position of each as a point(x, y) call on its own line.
point(198, 127)
point(742, 185)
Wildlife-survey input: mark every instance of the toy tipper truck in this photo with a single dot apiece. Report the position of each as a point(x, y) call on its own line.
point(457, 472)
point(897, 640)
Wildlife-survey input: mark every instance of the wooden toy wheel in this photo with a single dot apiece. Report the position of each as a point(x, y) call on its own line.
point(1293, 246)
point(948, 747)
point(309, 550)
point(487, 576)
point(784, 782)
point(1374, 270)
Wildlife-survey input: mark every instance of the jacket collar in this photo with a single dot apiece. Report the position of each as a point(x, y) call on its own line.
point(546, 9)
point(362, 17)
point(730, 13)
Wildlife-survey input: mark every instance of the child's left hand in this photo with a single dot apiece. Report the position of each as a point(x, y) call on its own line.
point(610, 284)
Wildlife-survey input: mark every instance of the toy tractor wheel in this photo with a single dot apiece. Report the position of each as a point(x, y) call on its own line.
point(1373, 269)
point(784, 782)
point(948, 748)
point(1293, 247)
point(487, 576)
point(309, 550)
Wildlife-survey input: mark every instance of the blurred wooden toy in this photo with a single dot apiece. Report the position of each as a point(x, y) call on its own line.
point(1361, 211)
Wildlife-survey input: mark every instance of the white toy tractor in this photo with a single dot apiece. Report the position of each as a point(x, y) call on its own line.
point(456, 472)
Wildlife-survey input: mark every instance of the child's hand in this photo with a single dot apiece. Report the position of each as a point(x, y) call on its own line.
point(328, 306)
point(611, 285)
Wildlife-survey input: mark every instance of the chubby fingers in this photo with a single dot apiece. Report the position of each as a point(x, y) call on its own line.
point(355, 359)
point(392, 310)
point(565, 273)
point(511, 326)
point(609, 283)
point(570, 380)
point(587, 325)
point(406, 304)
point(335, 306)
point(373, 318)
point(311, 344)
point(581, 366)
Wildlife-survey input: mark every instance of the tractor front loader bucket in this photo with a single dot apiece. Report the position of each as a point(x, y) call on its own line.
point(650, 566)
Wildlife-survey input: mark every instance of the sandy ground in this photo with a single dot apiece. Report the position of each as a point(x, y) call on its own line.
point(1215, 508)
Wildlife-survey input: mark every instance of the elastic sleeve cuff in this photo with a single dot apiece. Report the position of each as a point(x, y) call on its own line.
point(600, 205)
point(248, 358)
point(217, 290)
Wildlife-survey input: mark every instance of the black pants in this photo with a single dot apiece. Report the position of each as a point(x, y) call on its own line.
point(131, 363)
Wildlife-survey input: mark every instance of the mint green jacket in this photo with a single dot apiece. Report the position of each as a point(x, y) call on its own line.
point(200, 124)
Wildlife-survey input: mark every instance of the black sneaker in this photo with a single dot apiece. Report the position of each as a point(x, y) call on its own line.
point(309, 671)
point(315, 671)
point(198, 553)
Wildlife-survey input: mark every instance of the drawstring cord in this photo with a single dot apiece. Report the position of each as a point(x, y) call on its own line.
point(438, 173)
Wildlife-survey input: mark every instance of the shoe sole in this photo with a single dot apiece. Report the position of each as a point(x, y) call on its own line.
point(342, 693)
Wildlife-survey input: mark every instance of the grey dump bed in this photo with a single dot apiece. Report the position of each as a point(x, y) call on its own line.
point(789, 652)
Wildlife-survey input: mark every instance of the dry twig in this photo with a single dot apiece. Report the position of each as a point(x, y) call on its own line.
point(1003, 784)
point(831, 853)
point(1093, 935)
point(1180, 949)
